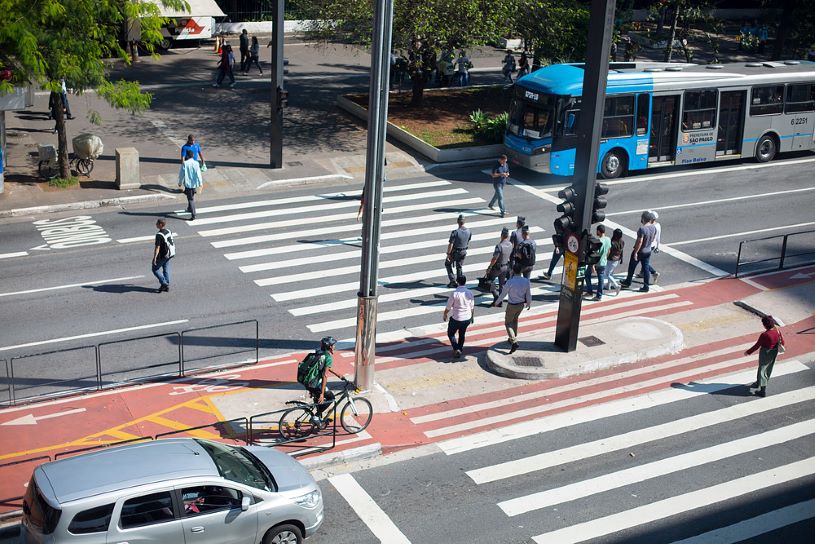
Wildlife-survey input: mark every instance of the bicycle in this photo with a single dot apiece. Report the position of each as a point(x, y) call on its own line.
point(83, 166)
point(302, 421)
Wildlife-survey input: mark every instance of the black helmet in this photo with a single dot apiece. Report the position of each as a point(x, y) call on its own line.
point(328, 342)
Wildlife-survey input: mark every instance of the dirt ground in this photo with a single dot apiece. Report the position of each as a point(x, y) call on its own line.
point(443, 118)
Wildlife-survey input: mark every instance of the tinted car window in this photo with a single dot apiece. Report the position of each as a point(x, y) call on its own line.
point(39, 513)
point(147, 510)
point(238, 465)
point(209, 498)
point(95, 520)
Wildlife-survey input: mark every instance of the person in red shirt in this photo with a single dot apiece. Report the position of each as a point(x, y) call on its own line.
point(768, 344)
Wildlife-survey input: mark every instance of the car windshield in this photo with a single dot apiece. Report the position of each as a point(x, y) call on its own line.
point(238, 465)
point(532, 119)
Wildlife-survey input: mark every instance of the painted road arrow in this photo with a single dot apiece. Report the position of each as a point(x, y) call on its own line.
point(31, 419)
point(802, 276)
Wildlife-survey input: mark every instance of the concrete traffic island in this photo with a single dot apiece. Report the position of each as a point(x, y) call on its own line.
point(600, 346)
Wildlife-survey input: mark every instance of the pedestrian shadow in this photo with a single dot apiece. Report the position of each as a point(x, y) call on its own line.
point(119, 289)
point(166, 215)
point(721, 389)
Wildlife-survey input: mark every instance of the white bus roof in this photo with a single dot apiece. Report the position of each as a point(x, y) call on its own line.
point(198, 8)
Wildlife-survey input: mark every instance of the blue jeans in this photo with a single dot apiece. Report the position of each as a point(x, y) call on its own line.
point(600, 280)
point(553, 263)
point(645, 260)
point(161, 270)
point(498, 196)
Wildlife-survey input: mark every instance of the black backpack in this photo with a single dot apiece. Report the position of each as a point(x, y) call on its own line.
point(527, 254)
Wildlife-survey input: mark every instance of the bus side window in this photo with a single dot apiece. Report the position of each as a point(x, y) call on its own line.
point(699, 110)
point(767, 100)
point(642, 114)
point(800, 97)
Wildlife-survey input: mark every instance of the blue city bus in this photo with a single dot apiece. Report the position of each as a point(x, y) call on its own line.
point(659, 114)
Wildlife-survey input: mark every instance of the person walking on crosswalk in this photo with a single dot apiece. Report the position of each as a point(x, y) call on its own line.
point(459, 310)
point(500, 173)
point(457, 251)
point(499, 264)
point(769, 343)
point(518, 292)
point(525, 253)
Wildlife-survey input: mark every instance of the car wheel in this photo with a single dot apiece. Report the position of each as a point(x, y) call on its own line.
point(613, 165)
point(766, 149)
point(283, 534)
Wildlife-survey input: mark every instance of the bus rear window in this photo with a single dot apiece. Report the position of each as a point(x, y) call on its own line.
point(800, 98)
point(38, 512)
point(767, 100)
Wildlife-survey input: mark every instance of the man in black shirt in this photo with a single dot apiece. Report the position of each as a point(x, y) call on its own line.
point(162, 253)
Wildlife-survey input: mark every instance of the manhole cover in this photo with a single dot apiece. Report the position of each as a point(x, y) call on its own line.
point(294, 163)
point(591, 341)
point(527, 361)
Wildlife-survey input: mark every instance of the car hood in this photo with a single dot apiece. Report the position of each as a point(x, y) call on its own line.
point(288, 473)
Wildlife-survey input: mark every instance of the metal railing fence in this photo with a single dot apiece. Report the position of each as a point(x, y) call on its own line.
point(793, 246)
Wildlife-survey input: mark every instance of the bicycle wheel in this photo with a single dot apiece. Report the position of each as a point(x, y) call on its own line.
point(84, 166)
point(48, 170)
point(295, 423)
point(356, 415)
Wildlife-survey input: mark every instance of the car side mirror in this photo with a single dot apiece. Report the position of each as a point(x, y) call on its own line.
point(245, 503)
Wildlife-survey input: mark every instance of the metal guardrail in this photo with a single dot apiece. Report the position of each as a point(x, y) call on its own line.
point(222, 424)
point(782, 255)
point(32, 377)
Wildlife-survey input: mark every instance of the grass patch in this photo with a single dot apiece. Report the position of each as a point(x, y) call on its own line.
point(62, 183)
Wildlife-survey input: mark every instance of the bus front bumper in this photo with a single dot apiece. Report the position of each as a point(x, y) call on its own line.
point(539, 162)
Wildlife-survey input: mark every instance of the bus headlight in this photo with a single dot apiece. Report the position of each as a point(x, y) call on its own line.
point(541, 150)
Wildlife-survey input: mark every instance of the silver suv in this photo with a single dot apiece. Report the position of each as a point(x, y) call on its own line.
point(185, 491)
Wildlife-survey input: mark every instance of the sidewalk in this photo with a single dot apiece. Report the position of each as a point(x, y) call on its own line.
point(423, 396)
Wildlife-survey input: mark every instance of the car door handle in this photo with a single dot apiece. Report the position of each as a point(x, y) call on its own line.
point(197, 530)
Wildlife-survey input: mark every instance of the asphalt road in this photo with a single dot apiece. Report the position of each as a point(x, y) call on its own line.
point(289, 259)
point(591, 482)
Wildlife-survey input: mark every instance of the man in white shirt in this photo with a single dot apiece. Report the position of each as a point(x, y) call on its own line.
point(519, 294)
point(460, 312)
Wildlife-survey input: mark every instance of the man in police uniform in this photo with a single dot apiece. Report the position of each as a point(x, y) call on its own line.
point(456, 251)
point(499, 265)
point(516, 237)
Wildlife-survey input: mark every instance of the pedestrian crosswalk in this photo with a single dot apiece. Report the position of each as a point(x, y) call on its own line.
point(304, 251)
point(719, 453)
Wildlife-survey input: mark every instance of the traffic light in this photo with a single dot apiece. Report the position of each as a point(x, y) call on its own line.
point(597, 213)
point(568, 208)
point(593, 248)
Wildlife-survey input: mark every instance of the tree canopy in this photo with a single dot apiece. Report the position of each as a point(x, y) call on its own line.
point(44, 41)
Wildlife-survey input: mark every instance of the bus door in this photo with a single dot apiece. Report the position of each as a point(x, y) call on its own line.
point(731, 123)
point(664, 116)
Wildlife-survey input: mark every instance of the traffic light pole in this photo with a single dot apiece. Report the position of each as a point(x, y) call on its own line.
point(365, 348)
point(278, 92)
point(589, 128)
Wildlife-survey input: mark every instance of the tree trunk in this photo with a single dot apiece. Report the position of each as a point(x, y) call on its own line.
point(669, 48)
point(62, 142)
point(781, 31)
point(417, 82)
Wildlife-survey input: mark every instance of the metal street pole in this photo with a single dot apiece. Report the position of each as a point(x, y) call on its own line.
point(589, 129)
point(365, 349)
point(279, 94)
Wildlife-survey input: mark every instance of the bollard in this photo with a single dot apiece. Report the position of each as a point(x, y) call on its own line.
point(127, 168)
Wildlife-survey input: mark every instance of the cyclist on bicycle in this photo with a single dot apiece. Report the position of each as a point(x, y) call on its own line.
point(321, 396)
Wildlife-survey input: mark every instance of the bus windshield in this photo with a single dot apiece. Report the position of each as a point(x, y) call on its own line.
point(532, 119)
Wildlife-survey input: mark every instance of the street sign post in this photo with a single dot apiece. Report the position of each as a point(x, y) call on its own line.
point(589, 125)
point(278, 92)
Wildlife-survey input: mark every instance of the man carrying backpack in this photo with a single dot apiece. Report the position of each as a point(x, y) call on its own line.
point(163, 252)
point(311, 373)
point(525, 253)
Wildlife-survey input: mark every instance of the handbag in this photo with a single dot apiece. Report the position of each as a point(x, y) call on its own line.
point(781, 348)
point(203, 167)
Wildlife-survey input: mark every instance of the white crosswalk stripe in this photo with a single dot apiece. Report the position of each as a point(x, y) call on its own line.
point(304, 251)
point(631, 498)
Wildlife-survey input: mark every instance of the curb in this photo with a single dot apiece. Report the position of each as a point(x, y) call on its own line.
point(755, 310)
point(368, 451)
point(85, 205)
point(504, 364)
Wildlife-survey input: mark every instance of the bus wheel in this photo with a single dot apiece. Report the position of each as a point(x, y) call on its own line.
point(766, 149)
point(613, 165)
